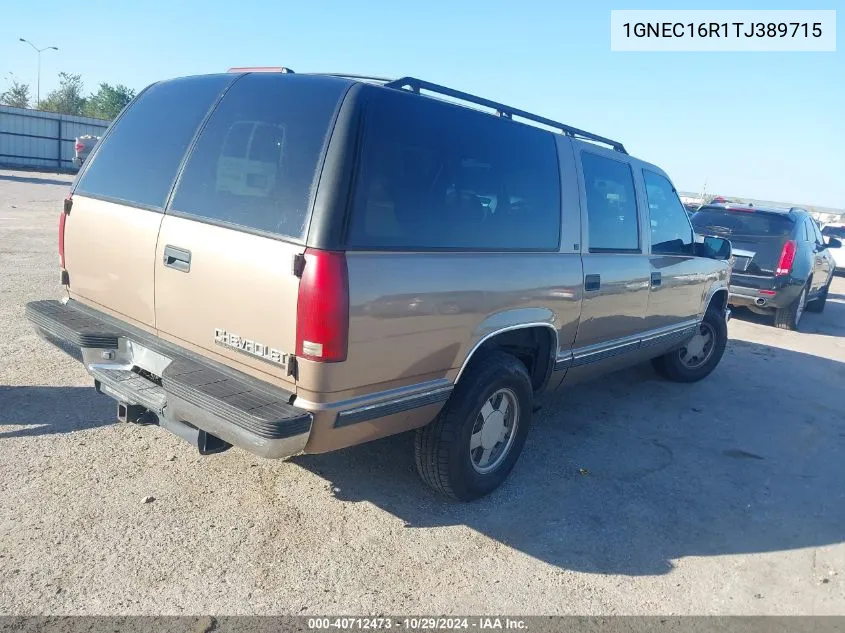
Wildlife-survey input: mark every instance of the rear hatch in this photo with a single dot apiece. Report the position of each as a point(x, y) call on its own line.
point(757, 237)
point(110, 226)
point(224, 269)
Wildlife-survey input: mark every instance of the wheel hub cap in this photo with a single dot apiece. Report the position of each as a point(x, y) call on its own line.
point(493, 431)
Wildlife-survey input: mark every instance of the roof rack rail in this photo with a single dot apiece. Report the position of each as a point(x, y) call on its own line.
point(260, 69)
point(359, 77)
point(416, 85)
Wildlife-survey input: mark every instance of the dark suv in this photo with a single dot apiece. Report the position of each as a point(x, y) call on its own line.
point(781, 263)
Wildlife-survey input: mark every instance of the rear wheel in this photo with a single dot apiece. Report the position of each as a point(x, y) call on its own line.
point(700, 355)
point(472, 445)
point(789, 317)
point(817, 304)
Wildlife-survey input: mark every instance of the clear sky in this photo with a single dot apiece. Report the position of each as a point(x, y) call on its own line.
point(762, 125)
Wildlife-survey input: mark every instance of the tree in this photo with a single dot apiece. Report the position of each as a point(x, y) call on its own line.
point(16, 96)
point(67, 98)
point(108, 101)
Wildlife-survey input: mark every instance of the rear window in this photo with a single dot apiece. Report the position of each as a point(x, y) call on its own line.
point(256, 160)
point(751, 223)
point(834, 231)
point(439, 176)
point(137, 162)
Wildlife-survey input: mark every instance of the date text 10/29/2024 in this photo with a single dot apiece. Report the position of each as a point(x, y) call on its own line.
point(723, 29)
point(421, 623)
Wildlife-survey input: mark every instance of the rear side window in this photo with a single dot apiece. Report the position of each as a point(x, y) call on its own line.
point(726, 222)
point(611, 204)
point(137, 162)
point(438, 176)
point(256, 161)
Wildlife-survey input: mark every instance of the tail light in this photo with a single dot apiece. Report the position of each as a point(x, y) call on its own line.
point(787, 256)
point(79, 146)
point(322, 309)
point(62, 220)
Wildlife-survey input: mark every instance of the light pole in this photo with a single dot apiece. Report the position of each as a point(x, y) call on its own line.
point(38, 83)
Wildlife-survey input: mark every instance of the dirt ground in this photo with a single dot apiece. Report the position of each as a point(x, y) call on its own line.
point(722, 497)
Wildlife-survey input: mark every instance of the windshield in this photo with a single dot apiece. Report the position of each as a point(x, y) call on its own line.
point(753, 223)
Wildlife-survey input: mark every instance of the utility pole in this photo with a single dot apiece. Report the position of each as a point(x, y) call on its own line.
point(38, 82)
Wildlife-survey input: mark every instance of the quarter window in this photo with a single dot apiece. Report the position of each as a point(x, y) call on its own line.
point(671, 232)
point(438, 176)
point(611, 204)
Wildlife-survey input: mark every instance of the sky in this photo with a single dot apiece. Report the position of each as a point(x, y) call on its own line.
point(761, 125)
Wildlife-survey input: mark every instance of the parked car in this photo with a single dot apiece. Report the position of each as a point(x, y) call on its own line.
point(781, 263)
point(82, 148)
point(836, 231)
point(342, 260)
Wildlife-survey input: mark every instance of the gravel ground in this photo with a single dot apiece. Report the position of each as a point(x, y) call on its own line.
point(723, 497)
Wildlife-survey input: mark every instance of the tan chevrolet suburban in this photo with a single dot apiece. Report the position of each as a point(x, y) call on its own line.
point(298, 263)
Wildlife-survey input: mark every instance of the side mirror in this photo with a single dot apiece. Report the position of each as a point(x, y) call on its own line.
point(834, 243)
point(714, 248)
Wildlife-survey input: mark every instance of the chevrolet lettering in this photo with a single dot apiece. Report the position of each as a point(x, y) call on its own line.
point(222, 337)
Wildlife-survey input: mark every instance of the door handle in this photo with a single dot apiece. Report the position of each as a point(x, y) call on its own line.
point(656, 279)
point(177, 258)
point(592, 282)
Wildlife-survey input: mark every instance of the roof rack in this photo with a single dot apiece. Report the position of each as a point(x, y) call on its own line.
point(416, 85)
point(383, 80)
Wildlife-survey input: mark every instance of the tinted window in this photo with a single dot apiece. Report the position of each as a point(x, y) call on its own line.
point(807, 232)
point(256, 161)
point(611, 204)
point(139, 159)
point(434, 175)
point(725, 222)
point(671, 232)
point(834, 231)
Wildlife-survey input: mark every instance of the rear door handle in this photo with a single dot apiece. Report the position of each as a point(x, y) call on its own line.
point(177, 258)
point(656, 279)
point(592, 282)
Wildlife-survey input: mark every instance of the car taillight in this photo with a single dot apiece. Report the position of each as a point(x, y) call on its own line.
point(62, 220)
point(322, 309)
point(787, 256)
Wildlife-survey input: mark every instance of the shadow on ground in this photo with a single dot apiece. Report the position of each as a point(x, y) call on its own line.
point(35, 179)
point(831, 322)
point(669, 470)
point(49, 410)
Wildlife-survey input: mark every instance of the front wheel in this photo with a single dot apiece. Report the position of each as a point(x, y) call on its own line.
point(699, 355)
point(472, 445)
point(817, 304)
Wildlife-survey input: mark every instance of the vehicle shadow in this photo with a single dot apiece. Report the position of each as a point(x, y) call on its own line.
point(831, 322)
point(51, 410)
point(35, 180)
point(629, 473)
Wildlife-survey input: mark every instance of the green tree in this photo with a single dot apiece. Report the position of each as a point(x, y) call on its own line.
point(16, 96)
point(67, 98)
point(108, 101)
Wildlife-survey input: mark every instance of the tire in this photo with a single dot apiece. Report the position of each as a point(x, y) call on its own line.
point(789, 317)
point(442, 450)
point(678, 366)
point(817, 304)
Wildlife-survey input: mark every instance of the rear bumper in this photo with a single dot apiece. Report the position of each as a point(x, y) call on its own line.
point(189, 394)
point(775, 297)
